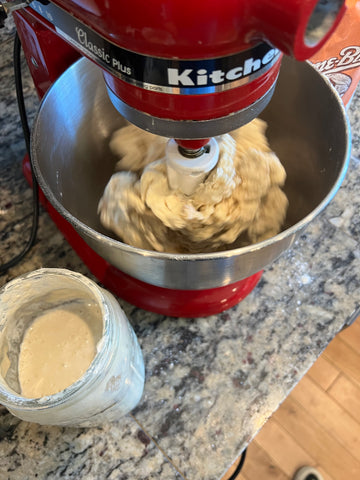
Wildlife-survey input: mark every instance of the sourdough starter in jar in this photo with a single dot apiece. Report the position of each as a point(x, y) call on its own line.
point(68, 354)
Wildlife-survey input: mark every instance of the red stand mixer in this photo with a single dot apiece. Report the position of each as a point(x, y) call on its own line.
point(184, 73)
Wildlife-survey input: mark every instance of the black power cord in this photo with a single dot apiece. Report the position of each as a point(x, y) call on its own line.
point(25, 126)
point(239, 467)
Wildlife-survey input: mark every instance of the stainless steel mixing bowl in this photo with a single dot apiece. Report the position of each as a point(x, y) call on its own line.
point(308, 129)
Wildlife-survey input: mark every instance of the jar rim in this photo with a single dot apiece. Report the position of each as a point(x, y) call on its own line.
point(8, 396)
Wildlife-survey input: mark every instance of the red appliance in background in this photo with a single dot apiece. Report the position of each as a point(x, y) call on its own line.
point(187, 71)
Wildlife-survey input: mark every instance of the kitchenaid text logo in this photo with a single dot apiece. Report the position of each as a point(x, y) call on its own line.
point(190, 77)
point(349, 57)
point(100, 52)
point(156, 73)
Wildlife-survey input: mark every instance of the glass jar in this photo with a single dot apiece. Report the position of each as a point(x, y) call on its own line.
point(113, 383)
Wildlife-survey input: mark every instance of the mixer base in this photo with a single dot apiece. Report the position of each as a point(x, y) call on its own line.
point(165, 301)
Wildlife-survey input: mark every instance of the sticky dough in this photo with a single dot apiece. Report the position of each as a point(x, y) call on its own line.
point(239, 203)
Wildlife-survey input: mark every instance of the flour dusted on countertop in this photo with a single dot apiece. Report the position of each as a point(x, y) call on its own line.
point(240, 200)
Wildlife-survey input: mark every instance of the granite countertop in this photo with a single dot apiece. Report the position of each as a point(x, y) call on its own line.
point(212, 382)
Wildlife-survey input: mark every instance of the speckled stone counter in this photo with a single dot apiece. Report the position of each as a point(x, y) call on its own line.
point(211, 383)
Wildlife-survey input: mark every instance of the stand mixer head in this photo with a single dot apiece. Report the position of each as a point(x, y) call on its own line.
point(188, 74)
point(191, 73)
point(181, 71)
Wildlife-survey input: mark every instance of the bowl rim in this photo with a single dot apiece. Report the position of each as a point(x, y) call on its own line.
point(191, 257)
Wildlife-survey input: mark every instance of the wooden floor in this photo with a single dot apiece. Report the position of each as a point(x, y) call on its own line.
point(318, 424)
